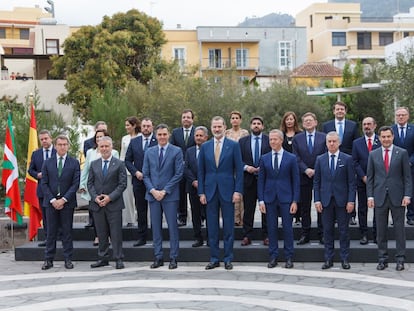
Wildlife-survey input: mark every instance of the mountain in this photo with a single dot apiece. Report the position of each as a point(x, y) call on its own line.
point(270, 20)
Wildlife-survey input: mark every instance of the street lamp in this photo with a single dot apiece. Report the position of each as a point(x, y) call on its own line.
point(50, 9)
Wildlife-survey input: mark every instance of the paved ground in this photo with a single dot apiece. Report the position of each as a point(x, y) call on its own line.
point(24, 286)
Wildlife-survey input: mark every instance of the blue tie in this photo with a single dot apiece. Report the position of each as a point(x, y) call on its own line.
point(105, 168)
point(332, 164)
point(256, 152)
point(146, 144)
point(161, 156)
point(402, 136)
point(310, 145)
point(341, 131)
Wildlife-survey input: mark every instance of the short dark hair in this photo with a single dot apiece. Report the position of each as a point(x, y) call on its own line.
point(256, 118)
point(188, 110)
point(162, 126)
point(384, 129)
point(339, 103)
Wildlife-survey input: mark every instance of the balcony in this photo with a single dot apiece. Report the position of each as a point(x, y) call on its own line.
point(251, 63)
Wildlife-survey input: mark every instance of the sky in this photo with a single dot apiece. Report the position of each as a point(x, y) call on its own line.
point(188, 13)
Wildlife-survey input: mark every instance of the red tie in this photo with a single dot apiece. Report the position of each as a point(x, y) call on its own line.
point(386, 160)
point(369, 145)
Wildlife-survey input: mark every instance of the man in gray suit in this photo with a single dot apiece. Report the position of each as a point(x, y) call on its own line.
point(163, 170)
point(106, 182)
point(389, 187)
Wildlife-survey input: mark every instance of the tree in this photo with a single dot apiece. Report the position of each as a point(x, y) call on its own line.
point(122, 48)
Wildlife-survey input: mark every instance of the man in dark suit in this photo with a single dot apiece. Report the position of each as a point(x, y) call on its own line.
point(190, 173)
point(107, 181)
point(134, 159)
point(404, 138)
point(361, 148)
point(252, 147)
point(220, 185)
point(278, 192)
point(163, 170)
point(60, 181)
point(347, 131)
point(389, 188)
point(35, 170)
point(307, 145)
point(335, 189)
point(183, 137)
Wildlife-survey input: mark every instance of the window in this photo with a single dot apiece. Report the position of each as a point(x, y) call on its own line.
point(311, 46)
point(52, 46)
point(241, 58)
point(179, 57)
point(24, 34)
point(310, 21)
point(2, 33)
point(214, 58)
point(386, 38)
point(406, 34)
point(285, 55)
point(338, 39)
point(364, 41)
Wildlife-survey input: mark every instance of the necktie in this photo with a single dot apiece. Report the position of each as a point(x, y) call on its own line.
point(186, 136)
point(197, 152)
point(369, 145)
point(276, 163)
point(386, 160)
point(332, 164)
point(310, 145)
point(256, 152)
point(340, 130)
point(146, 144)
point(217, 153)
point(402, 136)
point(60, 166)
point(161, 156)
point(46, 154)
point(105, 168)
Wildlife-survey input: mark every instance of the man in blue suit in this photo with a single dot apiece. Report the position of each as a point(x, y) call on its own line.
point(35, 170)
point(60, 181)
point(183, 137)
point(134, 159)
point(198, 210)
point(307, 145)
point(220, 185)
point(361, 149)
point(163, 170)
point(278, 189)
point(335, 189)
point(404, 138)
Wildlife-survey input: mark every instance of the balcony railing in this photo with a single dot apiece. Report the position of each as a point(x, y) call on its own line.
point(251, 63)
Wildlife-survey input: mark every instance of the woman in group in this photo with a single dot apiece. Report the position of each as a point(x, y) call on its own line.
point(235, 133)
point(129, 215)
point(91, 155)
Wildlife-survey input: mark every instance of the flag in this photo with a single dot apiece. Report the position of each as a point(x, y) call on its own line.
point(10, 176)
point(31, 202)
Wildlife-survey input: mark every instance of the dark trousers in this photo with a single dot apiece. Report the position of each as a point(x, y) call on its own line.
point(410, 207)
point(142, 210)
point(44, 218)
point(197, 210)
point(331, 213)
point(250, 201)
point(363, 213)
point(182, 207)
point(305, 208)
point(382, 214)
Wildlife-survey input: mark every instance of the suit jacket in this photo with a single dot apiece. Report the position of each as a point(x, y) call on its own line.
point(88, 144)
point(247, 157)
point(165, 177)
point(306, 159)
point(396, 183)
point(408, 140)
point(177, 139)
point(113, 184)
point(283, 186)
point(227, 178)
point(190, 168)
point(134, 158)
point(350, 134)
point(360, 156)
point(341, 186)
point(67, 183)
point(35, 167)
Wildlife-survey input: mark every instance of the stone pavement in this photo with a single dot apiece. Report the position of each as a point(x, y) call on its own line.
point(24, 286)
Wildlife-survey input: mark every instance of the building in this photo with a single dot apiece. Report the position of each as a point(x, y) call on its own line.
point(315, 76)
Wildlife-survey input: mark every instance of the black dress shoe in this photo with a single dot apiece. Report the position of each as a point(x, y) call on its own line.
point(119, 264)
point(400, 266)
point(157, 263)
point(364, 240)
point(42, 244)
point(173, 264)
point(410, 222)
point(272, 263)
point(228, 266)
point(87, 226)
point(68, 264)
point(321, 240)
point(327, 264)
point(374, 240)
point(289, 264)
point(140, 242)
point(212, 265)
point(345, 265)
point(198, 243)
point(181, 223)
point(302, 240)
point(100, 263)
point(382, 265)
point(47, 265)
